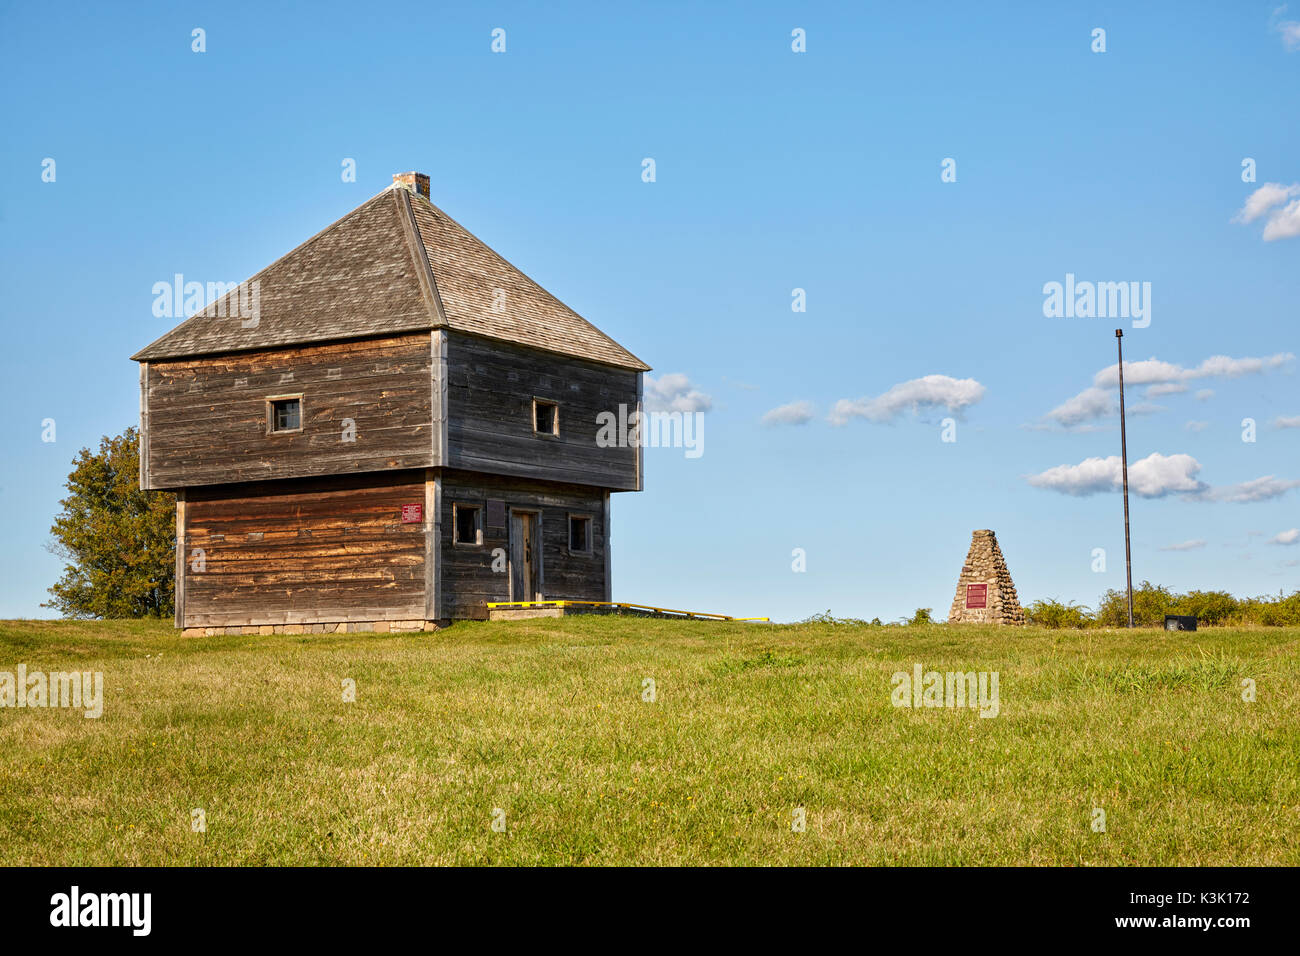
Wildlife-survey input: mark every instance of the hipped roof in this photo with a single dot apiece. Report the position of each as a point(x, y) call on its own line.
point(396, 263)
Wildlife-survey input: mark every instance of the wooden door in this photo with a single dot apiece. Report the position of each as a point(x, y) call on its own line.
point(525, 557)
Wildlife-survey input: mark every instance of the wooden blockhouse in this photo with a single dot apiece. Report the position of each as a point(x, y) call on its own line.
point(385, 429)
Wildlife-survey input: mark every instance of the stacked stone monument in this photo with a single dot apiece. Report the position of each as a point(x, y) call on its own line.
point(985, 592)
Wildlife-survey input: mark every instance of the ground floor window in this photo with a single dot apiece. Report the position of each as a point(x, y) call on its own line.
point(467, 522)
point(580, 534)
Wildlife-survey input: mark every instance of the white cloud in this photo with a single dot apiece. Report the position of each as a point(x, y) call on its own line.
point(1221, 366)
point(929, 391)
point(674, 392)
point(1285, 223)
point(1195, 426)
point(795, 413)
point(1146, 408)
point(1286, 537)
point(1263, 199)
point(1088, 404)
point(1101, 399)
point(1193, 545)
point(1257, 489)
point(1288, 29)
point(1150, 371)
point(1287, 421)
point(1283, 220)
point(1155, 476)
point(1154, 372)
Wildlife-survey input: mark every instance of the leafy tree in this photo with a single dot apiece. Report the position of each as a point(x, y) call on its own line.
point(119, 541)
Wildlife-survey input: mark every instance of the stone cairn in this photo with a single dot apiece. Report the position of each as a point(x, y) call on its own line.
point(985, 593)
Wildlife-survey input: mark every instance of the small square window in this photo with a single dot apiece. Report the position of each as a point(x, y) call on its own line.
point(546, 417)
point(284, 414)
point(579, 534)
point(468, 523)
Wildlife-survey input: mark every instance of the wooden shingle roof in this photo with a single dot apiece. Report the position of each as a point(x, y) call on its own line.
point(396, 263)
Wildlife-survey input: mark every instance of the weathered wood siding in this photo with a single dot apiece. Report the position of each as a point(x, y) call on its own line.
point(490, 390)
point(206, 417)
point(304, 551)
point(467, 579)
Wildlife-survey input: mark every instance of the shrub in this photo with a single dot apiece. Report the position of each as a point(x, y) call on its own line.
point(828, 618)
point(1150, 605)
point(1210, 607)
point(1278, 612)
point(1052, 613)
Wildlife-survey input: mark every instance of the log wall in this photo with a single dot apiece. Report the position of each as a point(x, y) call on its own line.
point(302, 552)
point(489, 414)
point(205, 418)
point(468, 579)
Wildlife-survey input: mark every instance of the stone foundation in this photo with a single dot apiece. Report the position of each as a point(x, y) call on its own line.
point(524, 613)
point(340, 627)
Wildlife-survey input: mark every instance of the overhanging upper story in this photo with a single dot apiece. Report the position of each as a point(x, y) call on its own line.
point(393, 339)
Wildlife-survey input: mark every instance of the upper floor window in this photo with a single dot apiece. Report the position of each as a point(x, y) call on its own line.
point(284, 414)
point(546, 418)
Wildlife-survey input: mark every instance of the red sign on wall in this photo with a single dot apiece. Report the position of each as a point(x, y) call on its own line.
point(977, 595)
point(412, 514)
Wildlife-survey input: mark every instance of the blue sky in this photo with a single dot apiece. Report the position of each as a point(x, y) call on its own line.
point(775, 171)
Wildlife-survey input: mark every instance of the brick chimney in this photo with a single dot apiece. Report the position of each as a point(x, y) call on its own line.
point(415, 182)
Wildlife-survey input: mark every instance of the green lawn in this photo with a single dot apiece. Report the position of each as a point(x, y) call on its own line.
point(545, 720)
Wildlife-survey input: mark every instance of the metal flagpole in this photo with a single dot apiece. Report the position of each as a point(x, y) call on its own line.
point(1123, 452)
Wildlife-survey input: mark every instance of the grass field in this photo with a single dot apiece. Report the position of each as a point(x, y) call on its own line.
point(546, 721)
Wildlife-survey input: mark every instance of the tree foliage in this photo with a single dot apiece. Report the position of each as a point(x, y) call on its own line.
point(118, 541)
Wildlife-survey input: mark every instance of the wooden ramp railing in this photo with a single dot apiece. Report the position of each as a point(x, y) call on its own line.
point(615, 606)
